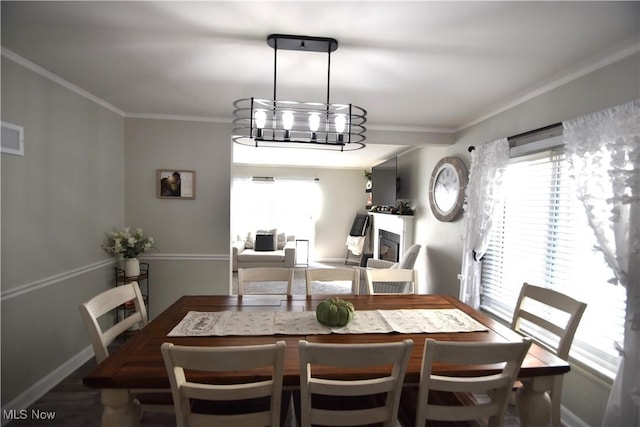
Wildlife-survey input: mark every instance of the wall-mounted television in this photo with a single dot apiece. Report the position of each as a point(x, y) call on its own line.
point(384, 183)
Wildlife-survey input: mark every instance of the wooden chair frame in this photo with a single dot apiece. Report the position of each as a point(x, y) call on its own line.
point(392, 279)
point(106, 302)
point(497, 386)
point(393, 356)
point(564, 333)
point(232, 358)
point(156, 400)
point(333, 274)
point(266, 274)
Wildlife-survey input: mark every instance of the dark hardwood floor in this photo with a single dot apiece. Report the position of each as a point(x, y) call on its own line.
point(71, 404)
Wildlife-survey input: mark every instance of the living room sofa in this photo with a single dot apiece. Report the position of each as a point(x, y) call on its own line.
point(247, 254)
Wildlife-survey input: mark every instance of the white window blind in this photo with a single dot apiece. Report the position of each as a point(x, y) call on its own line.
point(541, 237)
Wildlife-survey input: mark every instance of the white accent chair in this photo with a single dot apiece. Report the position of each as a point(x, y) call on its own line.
point(266, 274)
point(407, 262)
point(352, 398)
point(563, 328)
point(255, 403)
point(332, 275)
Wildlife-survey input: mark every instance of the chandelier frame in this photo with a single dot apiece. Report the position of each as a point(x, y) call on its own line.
point(294, 124)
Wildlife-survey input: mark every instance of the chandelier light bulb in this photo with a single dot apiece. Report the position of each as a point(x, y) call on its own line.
point(340, 122)
point(261, 118)
point(287, 120)
point(314, 122)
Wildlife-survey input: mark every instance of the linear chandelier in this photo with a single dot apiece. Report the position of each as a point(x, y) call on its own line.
point(293, 124)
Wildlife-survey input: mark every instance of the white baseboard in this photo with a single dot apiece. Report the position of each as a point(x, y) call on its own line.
point(42, 387)
point(570, 419)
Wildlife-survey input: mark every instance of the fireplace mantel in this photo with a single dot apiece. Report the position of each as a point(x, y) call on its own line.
point(398, 224)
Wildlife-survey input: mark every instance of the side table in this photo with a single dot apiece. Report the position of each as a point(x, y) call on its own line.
point(298, 244)
point(143, 283)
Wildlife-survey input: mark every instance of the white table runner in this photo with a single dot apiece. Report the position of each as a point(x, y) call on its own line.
point(197, 323)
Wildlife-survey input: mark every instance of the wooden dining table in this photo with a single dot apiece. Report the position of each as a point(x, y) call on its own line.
point(138, 364)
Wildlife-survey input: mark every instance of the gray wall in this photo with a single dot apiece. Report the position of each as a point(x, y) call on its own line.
point(57, 202)
point(585, 393)
point(191, 253)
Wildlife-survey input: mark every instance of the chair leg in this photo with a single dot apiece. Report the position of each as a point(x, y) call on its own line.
point(556, 397)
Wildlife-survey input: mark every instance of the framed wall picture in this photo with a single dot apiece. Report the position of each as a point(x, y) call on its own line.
point(176, 184)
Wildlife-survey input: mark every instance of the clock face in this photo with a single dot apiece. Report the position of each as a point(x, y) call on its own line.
point(446, 190)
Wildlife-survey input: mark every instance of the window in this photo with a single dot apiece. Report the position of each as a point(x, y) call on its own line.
point(291, 205)
point(541, 236)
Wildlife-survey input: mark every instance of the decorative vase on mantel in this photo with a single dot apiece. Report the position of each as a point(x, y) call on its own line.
point(131, 267)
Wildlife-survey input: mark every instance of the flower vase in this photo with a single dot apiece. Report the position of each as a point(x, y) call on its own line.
point(131, 267)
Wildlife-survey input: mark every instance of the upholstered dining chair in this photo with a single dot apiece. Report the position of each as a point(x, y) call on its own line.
point(558, 316)
point(266, 274)
point(391, 281)
point(467, 400)
point(344, 402)
point(254, 403)
point(334, 275)
point(158, 400)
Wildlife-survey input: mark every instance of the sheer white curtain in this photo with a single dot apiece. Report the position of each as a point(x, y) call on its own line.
point(488, 162)
point(604, 152)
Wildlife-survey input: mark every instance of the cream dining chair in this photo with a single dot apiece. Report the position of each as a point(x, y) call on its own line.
point(156, 400)
point(266, 274)
point(448, 397)
point(339, 402)
point(333, 274)
point(551, 319)
point(254, 403)
point(391, 281)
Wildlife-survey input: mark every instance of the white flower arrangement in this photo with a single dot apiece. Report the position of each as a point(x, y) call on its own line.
point(127, 244)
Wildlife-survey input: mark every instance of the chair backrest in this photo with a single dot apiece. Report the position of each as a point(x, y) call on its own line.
point(391, 281)
point(333, 274)
point(265, 274)
point(255, 403)
point(409, 258)
point(386, 363)
point(105, 302)
point(552, 311)
point(493, 387)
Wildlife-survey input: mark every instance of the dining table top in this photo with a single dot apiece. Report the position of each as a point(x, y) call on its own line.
point(138, 363)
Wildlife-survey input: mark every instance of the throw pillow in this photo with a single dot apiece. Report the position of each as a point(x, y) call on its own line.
point(282, 240)
point(273, 232)
point(264, 242)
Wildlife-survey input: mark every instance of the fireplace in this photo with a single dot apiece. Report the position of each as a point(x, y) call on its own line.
point(388, 246)
point(397, 231)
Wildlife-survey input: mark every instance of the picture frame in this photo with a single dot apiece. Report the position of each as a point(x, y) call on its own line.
point(176, 184)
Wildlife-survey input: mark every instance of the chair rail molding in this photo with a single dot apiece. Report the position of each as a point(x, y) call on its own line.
point(52, 280)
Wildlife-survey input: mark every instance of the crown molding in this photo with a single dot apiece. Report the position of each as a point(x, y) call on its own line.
point(631, 48)
point(6, 53)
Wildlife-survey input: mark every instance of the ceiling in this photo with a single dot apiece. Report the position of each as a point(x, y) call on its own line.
point(420, 66)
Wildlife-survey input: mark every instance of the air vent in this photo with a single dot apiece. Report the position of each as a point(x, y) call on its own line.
point(12, 139)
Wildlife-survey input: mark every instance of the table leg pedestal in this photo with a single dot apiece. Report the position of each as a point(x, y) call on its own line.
point(534, 404)
point(119, 409)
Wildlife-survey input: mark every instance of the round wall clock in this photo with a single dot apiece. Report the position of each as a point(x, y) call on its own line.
point(446, 189)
